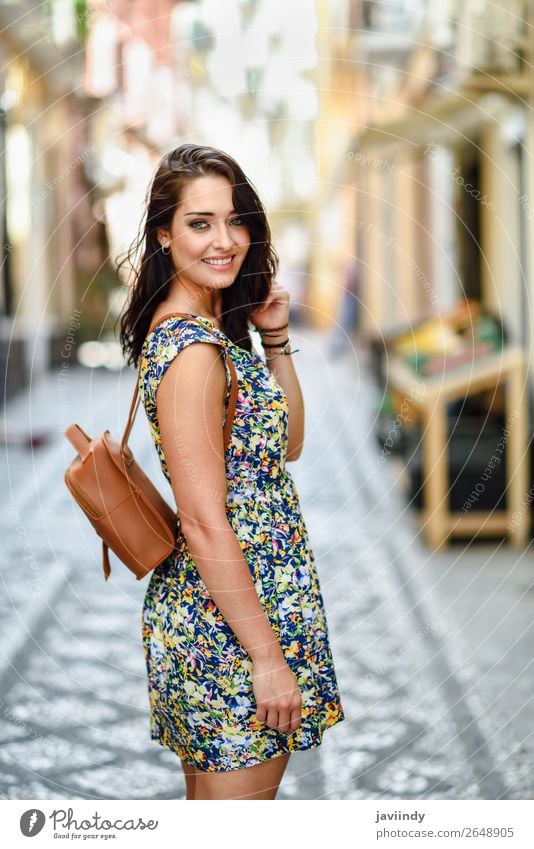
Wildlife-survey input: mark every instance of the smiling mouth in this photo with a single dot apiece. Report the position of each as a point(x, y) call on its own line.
point(219, 263)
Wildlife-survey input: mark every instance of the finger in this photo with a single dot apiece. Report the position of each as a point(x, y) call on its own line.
point(295, 719)
point(272, 718)
point(283, 721)
point(258, 307)
point(261, 713)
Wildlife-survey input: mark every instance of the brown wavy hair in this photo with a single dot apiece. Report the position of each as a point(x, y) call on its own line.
point(153, 274)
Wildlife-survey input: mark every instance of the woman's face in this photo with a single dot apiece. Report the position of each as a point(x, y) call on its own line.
point(208, 240)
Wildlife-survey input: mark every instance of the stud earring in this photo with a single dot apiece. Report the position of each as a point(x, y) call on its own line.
point(166, 252)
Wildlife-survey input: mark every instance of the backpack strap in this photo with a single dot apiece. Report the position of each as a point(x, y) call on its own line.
point(232, 403)
point(105, 560)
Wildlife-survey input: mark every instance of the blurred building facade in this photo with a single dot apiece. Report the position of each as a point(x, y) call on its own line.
point(44, 212)
point(395, 134)
point(432, 187)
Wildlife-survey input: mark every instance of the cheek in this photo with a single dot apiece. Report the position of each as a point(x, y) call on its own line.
point(191, 245)
point(244, 241)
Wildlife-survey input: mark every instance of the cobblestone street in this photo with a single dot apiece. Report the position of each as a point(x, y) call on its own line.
point(433, 651)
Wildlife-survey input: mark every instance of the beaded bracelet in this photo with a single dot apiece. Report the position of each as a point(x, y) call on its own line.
point(283, 350)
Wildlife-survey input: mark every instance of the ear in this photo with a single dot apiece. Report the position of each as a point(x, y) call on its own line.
point(163, 236)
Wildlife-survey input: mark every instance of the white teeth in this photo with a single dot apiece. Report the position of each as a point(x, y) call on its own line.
point(218, 261)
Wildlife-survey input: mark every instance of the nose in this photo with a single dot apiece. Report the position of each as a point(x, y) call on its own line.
point(222, 239)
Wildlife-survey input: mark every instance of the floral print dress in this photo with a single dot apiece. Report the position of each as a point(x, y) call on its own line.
point(202, 705)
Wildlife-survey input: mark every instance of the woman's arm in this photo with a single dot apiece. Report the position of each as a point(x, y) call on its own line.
point(274, 313)
point(190, 412)
point(284, 371)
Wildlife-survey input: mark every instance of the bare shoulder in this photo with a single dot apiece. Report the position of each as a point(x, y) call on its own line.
point(195, 377)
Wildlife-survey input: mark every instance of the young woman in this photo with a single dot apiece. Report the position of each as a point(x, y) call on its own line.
point(240, 671)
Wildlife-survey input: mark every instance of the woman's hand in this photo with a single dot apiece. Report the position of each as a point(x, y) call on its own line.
point(278, 698)
point(274, 312)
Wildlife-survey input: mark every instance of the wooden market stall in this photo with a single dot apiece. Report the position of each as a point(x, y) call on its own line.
point(469, 358)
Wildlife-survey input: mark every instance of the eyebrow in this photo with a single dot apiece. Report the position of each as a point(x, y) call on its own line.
point(207, 213)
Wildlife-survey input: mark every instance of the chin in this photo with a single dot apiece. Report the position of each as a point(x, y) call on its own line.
point(219, 281)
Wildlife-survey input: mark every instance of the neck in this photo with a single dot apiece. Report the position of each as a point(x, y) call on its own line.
point(183, 298)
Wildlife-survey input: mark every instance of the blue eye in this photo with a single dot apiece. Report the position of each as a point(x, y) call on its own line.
point(199, 221)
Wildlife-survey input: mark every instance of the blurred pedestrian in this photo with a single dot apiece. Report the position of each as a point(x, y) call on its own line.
point(346, 323)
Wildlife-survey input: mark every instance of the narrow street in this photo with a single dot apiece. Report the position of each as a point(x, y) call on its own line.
point(432, 650)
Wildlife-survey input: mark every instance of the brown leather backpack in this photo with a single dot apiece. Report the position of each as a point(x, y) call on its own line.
point(118, 498)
